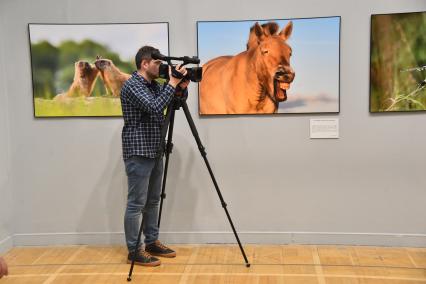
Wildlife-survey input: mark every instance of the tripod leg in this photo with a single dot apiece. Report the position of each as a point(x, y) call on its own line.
point(129, 278)
point(168, 150)
point(204, 154)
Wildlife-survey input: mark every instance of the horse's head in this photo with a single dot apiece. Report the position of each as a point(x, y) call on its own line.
point(272, 58)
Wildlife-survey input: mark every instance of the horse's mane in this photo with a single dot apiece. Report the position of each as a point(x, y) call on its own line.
point(270, 28)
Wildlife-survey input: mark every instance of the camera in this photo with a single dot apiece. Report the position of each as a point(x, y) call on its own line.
point(193, 74)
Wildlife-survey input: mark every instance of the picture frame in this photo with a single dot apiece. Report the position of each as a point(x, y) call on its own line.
point(397, 62)
point(78, 69)
point(226, 89)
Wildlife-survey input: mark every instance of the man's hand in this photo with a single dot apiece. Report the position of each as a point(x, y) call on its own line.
point(173, 80)
point(183, 84)
point(181, 87)
point(3, 267)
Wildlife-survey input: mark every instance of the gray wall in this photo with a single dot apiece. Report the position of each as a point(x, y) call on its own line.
point(368, 187)
point(6, 230)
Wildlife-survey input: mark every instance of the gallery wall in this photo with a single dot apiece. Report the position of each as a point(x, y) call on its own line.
point(6, 202)
point(67, 175)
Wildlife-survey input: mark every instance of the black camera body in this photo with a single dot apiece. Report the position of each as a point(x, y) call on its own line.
point(193, 74)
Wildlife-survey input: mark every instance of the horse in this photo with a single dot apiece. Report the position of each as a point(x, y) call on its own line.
point(253, 81)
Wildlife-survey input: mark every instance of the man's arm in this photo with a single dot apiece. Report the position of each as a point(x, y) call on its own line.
point(182, 88)
point(141, 97)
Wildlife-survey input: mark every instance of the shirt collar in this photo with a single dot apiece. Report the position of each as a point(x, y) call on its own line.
point(144, 81)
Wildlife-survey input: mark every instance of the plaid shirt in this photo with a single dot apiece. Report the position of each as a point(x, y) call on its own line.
point(143, 105)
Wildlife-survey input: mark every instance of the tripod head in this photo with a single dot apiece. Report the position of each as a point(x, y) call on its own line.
point(178, 101)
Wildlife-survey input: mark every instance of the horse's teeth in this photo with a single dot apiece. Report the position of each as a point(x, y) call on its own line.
point(284, 86)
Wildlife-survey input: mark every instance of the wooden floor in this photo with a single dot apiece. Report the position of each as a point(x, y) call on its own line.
point(200, 264)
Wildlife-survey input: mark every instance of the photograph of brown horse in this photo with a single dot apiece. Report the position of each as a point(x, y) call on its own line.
point(253, 81)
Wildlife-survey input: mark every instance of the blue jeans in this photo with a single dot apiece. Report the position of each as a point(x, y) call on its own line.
point(144, 190)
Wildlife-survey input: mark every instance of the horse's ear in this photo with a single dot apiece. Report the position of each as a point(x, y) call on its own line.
point(286, 32)
point(258, 30)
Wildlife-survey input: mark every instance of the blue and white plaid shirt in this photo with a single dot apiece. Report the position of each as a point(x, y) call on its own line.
point(143, 105)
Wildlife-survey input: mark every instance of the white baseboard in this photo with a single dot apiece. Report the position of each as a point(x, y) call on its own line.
point(6, 244)
point(54, 239)
point(319, 238)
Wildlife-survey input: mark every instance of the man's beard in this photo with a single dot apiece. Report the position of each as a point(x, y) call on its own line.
point(152, 75)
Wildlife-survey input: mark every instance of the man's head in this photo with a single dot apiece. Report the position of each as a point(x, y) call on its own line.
point(147, 66)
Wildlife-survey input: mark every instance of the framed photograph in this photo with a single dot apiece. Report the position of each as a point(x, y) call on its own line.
point(398, 62)
point(269, 66)
point(78, 69)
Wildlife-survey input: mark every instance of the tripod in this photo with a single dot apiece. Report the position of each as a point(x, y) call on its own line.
point(176, 103)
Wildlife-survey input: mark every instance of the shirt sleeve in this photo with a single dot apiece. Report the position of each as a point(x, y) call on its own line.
point(142, 97)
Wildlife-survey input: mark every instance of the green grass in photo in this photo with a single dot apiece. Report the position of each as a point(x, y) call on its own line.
point(92, 106)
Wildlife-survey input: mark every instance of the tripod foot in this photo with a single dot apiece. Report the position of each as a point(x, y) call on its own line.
point(247, 264)
point(129, 279)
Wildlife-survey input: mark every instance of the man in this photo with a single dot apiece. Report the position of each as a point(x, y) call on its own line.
point(3, 267)
point(143, 102)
